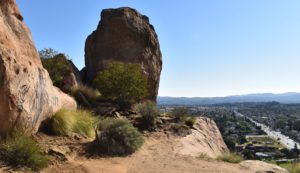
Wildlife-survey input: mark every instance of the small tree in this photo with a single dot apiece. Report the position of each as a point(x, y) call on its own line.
point(122, 83)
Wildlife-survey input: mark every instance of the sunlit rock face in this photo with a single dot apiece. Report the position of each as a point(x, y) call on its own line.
point(124, 35)
point(27, 96)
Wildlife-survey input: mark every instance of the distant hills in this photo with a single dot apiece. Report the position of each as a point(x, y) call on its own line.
point(290, 97)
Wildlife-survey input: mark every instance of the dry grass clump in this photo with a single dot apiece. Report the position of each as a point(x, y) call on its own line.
point(205, 157)
point(230, 158)
point(65, 122)
point(20, 150)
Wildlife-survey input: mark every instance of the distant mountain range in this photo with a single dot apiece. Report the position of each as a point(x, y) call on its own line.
point(290, 97)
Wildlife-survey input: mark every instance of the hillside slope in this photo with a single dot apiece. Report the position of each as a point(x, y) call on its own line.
point(165, 153)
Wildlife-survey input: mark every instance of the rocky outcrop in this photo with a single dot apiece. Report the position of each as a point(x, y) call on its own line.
point(69, 81)
point(204, 139)
point(124, 35)
point(75, 72)
point(72, 79)
point(27, 96)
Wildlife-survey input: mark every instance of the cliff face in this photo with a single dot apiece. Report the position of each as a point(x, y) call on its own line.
point(205, 138)
point(124, 35)
point(27, 96)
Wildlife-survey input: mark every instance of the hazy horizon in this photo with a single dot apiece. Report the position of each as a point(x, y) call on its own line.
point(245, 94)
point(210, 48)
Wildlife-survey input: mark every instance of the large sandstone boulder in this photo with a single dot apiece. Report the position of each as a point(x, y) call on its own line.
point(27, 96)
point(124, 35)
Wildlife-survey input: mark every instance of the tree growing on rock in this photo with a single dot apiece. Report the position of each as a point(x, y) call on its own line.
point(122, 83)
point(61, 69)
point(58, 67)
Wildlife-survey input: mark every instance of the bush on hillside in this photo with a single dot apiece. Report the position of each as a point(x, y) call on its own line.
point(117, 137)
point(190, 121)
point(122, 83)
point(231, 158)
point(149, 113)
point(65, 122)
point(180, 114)
point(21, 150)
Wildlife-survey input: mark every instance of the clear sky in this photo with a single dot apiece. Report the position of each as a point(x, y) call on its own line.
point(210, 47)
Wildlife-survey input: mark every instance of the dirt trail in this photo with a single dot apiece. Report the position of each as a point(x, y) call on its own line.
point(159, 154)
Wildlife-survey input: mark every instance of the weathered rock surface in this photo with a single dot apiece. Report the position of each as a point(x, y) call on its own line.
point(69, 81)
point(124, 35)
point(27, 96)
point(205, 138)
point(73, 79)
point(74, 74)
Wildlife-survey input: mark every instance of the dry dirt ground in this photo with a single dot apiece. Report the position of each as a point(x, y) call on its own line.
point(160, 154)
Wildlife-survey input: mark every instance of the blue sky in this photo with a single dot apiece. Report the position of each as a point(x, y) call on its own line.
point(210, 47)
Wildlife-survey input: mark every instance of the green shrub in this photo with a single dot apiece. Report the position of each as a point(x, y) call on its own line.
point(21, 150)
point(149, 113)
point(85, 95)
point(65, 121)
point(123, 83)
point(57, 66)
point(117, 137)
point(230, 158)
point(180, 114)
point(190, 121)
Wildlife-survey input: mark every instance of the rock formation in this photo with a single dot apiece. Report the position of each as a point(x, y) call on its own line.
point(205, 138)
point(69, 81)
point(27, 96)
point(124, 35)
point(72, 79)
